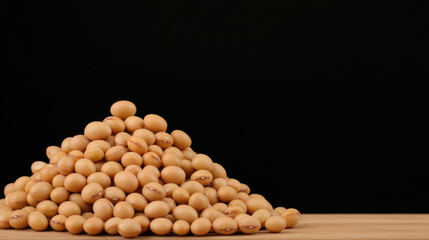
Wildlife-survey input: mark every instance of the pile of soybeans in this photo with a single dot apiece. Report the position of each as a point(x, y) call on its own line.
point(126, 175)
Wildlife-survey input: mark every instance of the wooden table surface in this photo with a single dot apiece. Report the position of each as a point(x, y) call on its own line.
point(311, 226)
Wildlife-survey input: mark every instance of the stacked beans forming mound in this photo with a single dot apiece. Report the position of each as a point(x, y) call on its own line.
point(126, 175)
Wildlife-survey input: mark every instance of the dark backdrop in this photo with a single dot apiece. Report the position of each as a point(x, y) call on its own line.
point(317, 105)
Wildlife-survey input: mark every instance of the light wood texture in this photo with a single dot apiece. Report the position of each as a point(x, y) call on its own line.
point(311, 226)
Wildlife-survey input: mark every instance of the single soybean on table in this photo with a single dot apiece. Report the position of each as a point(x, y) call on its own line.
point(311, 226)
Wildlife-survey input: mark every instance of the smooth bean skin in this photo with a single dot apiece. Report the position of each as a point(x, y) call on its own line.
point(224, 225)
point(116, 124)
point(292, 216)
point(133, 123)
point(74, 224)
point(202, 176)
point(137, 144)
point(69, 208)
point(144, 223)
point(248, 224)
point(92, 192)
point(137, 200)
point(262, 215)
point(201, 226)
point(275, 224)
point(181, 227)
point(58, 223)
point(93, 226)
point(48, 208)
point(111, 225)
point(202, 161)
point(153, 191)
point(129, 228)
point(198, 201)
point(103, 209)
point(37, 221)
point(161, 226)
point(126, 181)
point(123, 210)
point(74, 182)
point(17, 200)
point(227, 193)
point(97, 130)
point(85, 166)
point(100, 178)
point(173, 174)
point(40, 191)
point(185, 212)
point(19, 219)
point(181, 140)
point(123, 109)
point(157, 209)
point(155, 123)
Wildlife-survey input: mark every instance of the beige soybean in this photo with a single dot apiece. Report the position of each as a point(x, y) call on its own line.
point(151, 158)
point(157, 209)
point(153, 191)
point(103, 209)
point(210, 213)
point(155, 123)
point(111, 225)
point(134, 169)
point(171, 159)
point(19, 219)
point(126, 181)
point(224, 225)
point(57, 223)
point(163, 139)
point(201, 226)
point(4, 219)
point(202, 176)
point(144, 223)
point(137, 200)
point(17, 200)
point(94, 154)
point(181, 227)
point(111, 168)
point(173, 174)
point(133, 123)
point(77, 198)
point(137, 144)
point(292, 216)
point(156, 149)
point(198, 201)
point(202, 161)
point(74, 182)
point(48, 208)
point(19, 184)
point(123, 210)
point(87, 215)
point(161, 226)
point(121, 139)
point(123, 109)
point(181, 139)
point(74, 224)
point(129, 228)
point(211, 194)
point(180, 195)
point(51, 150)
point(275, 224)
point(227, 193)
point(37, 221)
point(58, 181)
point(248, 224)
point(116, 124)
point(193, 187)
point(47, 173)
point(169, 188)
point(262, 215)
point(131, 158)
point(69, 208)
point(101, 144)
point(93, 226)
point(233, 211)
point(92, 192)
point(65, 165)
point(218, 171)
point(76, 155)
point(146, 134)
point(78, 142)
point(255, 203)
point(114, 194)
point(40, 191)
point(115, 153)
point(97, 130)
point(188, 153)
point(37, 166)
point(85, 167)
point(185, 212)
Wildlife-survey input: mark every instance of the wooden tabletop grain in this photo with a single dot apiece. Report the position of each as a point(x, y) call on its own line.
point(311, 226)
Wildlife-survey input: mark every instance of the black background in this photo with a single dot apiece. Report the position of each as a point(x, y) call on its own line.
point(317, 105)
